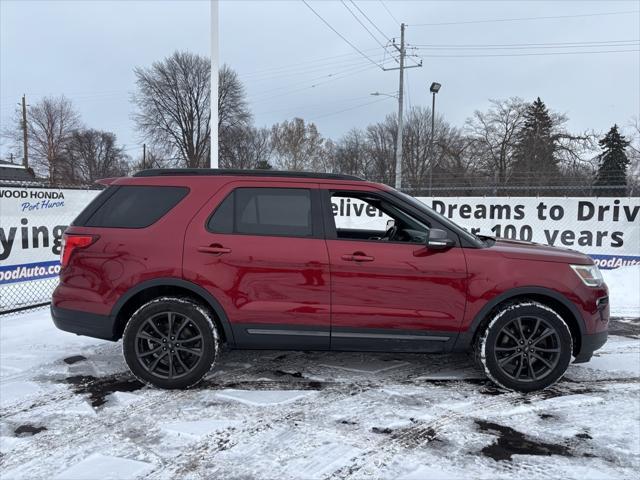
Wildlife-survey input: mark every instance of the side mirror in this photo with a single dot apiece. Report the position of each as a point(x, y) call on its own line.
point(439, 240)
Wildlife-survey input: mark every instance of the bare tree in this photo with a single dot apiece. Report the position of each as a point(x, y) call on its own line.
point(49, 124)
point(156, 157)
point(455, 162)
point(421, 151)
point(351, 154)
point(633, 133)
point(91, 155)
point(233, 113)
point(298, 146)
point(173, 106)
point(381, 138)
point(494, 134)
point(247, 148)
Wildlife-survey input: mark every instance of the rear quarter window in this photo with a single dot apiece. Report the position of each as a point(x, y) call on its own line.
point(131, 206)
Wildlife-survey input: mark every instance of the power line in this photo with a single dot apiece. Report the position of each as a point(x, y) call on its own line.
point(293, 110)
point(348, 109)
point(363, 25)
point(333, 76)
point(290, 92)
point(137, 148)
point(339, 34)
point(606, 43)
point(330, 60)
point(337, 74)
point(308, 71)
point(389, 12)
point(527, 54)
point(522, 19)
point(369, 20)
point(408, 106)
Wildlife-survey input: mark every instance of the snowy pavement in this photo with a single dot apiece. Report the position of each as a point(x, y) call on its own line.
point(69, 409)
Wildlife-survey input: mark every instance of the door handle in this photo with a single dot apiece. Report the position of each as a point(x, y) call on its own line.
point(358, 257)
point(214, 249)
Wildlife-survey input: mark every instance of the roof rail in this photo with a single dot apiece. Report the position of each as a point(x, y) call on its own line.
point(157, 172)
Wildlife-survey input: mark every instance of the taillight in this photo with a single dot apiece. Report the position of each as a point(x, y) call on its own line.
point(71, 242)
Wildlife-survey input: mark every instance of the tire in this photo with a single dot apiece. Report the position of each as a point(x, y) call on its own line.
point(526, 346)
point(170, 343)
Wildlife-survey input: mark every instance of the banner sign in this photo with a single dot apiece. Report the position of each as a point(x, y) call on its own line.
point(32, 221)
point(606, 228)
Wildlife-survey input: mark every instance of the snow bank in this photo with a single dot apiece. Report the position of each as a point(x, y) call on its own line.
point(624, 290)
point(105, 467)
point(29, 340)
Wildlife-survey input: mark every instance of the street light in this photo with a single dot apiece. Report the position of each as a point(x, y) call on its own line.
point(377, 94)
point(434, 88)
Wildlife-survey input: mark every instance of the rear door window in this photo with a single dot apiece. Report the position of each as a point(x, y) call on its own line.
point(265, 211)
point(132, 206)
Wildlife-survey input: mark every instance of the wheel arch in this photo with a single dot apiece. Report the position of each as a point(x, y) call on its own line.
point(146, 291)
point(561, 304)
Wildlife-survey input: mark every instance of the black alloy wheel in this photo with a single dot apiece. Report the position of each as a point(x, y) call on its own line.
point(170, 342)
point(169, 345)
point(527, 349)
point(526, 346)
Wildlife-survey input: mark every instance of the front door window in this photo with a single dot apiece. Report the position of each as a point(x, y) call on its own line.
point(363, 216)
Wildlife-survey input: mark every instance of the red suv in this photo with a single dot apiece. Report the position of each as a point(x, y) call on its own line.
point(177, 262)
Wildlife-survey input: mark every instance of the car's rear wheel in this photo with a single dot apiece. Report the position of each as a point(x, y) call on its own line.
point(526, 346)
point(170, 342)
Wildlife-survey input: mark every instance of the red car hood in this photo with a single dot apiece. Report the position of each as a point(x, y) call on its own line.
point(539, 252)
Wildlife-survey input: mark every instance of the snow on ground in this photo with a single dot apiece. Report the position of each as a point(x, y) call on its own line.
point(70, 409)
point(624, 290)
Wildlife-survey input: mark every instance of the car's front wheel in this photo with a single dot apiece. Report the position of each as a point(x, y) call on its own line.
point(526, 346)
point(170, 342)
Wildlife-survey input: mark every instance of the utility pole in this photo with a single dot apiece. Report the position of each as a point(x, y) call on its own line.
point(144, 155)
point(25, 146)
point(213, 97)
point(400, 108)
point(403, 53)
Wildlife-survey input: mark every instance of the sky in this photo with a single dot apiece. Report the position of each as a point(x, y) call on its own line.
point(293, 64)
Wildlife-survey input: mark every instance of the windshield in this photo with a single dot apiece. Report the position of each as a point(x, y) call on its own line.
point(441, 218)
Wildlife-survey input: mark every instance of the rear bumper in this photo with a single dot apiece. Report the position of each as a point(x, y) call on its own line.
point(589, 344)
point(84, 323)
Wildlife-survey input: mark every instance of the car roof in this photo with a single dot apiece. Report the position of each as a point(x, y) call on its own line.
point(161, 172)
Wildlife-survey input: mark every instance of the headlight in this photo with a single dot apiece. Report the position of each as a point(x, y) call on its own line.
point(589, 274)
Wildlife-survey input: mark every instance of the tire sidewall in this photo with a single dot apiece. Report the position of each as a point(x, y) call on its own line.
point(503, 317)
point(197, 315)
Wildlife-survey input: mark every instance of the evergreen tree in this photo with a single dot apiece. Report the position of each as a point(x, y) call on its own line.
point(263, 165)
point(612, 171)
point(535, 162)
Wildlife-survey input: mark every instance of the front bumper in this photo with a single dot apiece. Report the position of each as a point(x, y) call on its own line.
point(589, 344)
point(84, 323)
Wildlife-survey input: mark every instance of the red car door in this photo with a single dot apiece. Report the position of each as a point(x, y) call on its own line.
point(258, 248)
point(389, 295)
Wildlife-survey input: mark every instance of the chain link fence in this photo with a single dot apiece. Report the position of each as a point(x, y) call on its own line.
point(522, 184)
point(524, 191)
